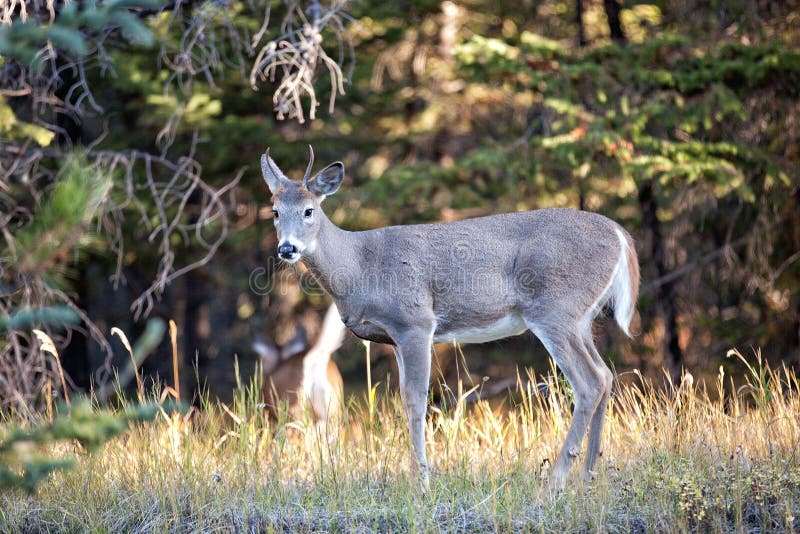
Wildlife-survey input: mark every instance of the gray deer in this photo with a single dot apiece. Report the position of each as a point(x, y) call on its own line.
point(550, 271)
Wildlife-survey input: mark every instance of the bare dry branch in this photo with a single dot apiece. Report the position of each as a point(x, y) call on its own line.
point(294, 57)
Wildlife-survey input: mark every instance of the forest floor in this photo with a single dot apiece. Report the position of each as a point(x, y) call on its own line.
point(701, 457)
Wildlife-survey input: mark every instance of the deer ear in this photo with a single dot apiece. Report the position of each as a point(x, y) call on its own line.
point(268, 352)
point(328, 180)
point(272, 174)
point(296, 345)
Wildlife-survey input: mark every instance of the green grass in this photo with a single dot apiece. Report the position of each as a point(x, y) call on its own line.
point(691, 459)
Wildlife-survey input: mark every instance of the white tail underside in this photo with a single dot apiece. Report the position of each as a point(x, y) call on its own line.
point(618, 291)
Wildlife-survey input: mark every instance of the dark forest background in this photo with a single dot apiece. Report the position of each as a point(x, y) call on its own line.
point(130, 189)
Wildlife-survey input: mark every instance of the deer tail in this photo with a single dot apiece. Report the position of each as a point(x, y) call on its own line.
point(625, 283)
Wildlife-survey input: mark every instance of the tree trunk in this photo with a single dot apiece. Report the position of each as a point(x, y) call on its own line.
point(579, 19)
point(613, 8)
point(192, 351)
point(794, 236)
point(665, 294)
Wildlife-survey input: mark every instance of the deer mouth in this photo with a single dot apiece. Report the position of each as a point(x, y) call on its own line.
point(294, 257)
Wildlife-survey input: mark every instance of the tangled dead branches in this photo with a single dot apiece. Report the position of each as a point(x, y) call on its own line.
point(292, 60)
point(180, 208)
point(186, 208)
point(50, 94)
point(293, 57)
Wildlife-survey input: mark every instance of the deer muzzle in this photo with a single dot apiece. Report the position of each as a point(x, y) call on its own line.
point(288, 252)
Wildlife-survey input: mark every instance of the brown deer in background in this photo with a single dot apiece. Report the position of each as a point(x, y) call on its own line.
point(303, 374)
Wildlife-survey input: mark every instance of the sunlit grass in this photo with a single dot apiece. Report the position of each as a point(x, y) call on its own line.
point(704, 457)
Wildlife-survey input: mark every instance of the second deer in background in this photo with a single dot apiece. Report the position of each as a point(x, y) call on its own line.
point(304, 375)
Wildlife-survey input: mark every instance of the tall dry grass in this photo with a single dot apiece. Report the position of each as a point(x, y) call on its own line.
point(702, 457)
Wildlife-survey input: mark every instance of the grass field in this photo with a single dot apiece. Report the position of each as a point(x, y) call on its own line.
point(705, 458)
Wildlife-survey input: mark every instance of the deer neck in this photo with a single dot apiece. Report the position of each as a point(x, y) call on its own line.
point(334, 262)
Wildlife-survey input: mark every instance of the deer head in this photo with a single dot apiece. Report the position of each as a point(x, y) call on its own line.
point(296, 205)
point(272, 354)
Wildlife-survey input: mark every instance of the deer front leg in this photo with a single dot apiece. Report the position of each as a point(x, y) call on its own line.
point(413, 352)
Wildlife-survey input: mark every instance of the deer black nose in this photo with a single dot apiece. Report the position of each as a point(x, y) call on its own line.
point(287, 250)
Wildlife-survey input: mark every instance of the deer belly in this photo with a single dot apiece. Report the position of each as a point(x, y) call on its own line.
point(510, 325)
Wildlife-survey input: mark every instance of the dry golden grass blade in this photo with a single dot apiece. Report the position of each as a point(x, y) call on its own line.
point(48, 396)
point(47, 345)
point(124, 339)
point(176, 376)
point(236, 419)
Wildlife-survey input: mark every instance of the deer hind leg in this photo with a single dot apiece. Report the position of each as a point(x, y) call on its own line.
point(567, 348)
point(599, 417)
point(413, 352)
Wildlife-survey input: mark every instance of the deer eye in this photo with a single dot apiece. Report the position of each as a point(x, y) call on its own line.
point(275, 213)
point(308, 212)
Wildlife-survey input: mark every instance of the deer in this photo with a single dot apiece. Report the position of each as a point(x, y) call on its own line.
point(305, 375)
point(550, 271)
